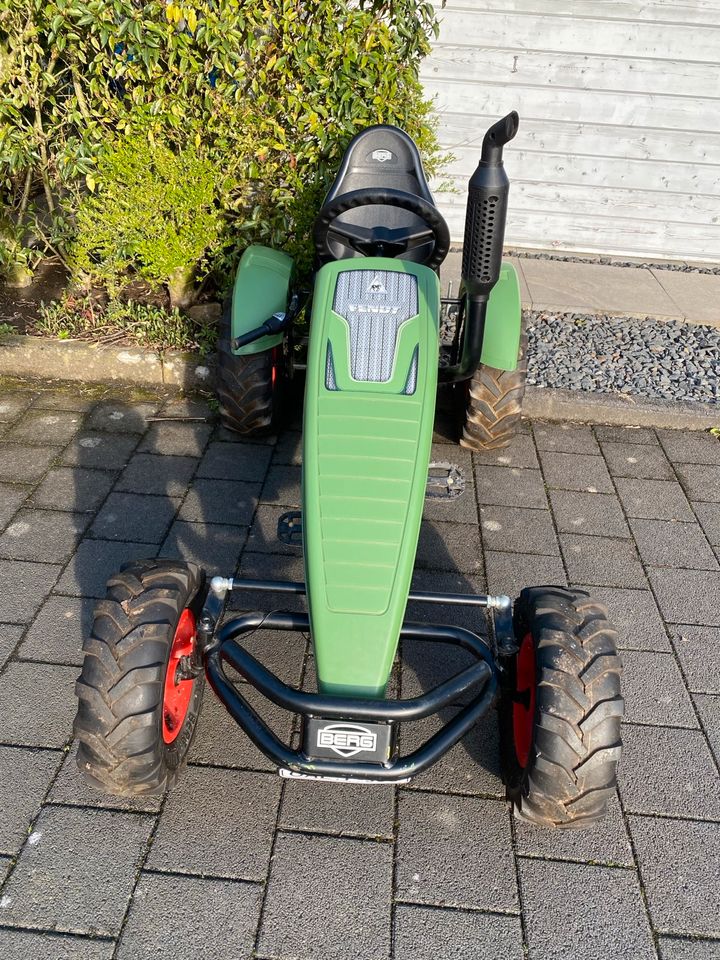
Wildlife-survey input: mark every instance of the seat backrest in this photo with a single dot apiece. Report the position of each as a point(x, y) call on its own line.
point(384, 156)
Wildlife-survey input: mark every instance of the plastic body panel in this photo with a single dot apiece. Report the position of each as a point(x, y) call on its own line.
point(366, 448)
point(262, 288)
point(501, 340)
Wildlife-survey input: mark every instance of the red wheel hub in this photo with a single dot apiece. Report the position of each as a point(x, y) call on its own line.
point(177, 693)
point(524, 700)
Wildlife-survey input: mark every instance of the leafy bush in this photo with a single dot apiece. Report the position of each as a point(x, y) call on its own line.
point(154, 210)
point(268, 92)
point(76, 317)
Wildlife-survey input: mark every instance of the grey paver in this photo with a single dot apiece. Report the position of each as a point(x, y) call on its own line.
point(672, 948)
point(687, 596)
point(508, 573)
point(347, 809)
point(38, 704)
point(28, 945)
point(13, 404)
point(446, 581)
point(288, 448)
point(187, 406)
point(510, 487)
point(471, 767)
point(49, 536)
point(220, 501)
point(513, 529)
point(425, 665)
point(10, 634)
point(46, 428)
point(708, 515)
point(698, 649)
point(667, 543)
point(131, 516)
point(565, 438)
point(69, 399)
point(25, 776)
point(654, 691)
point(22, 464)
point(700, 480)
point(235, 461)
point(625, 434)
point(265, 566)
point(575, 471)
point(283, 653)
point(455, 851)
point(596, 514)
point(696, 295)
point(654, 499)
point(95, 561)
point(70, 787)
point(219, 740)
point(709, 709)
point(176, 439)
point(519, 453)
point(101, 451)
point(566, 904)
point(635, 616)
point(163, 475)
point(58, 631)
point(12, 496)
point(605, 842)
point(666, 770)
point(77, 488)
point(119, 417)
point(427, 933)
point(282, 485)
point(217, 822)
point(163, 918)
point(77, 870)
point(26, 586)
point(449, 546)
point(603, 561)
point(684, 447)
point(327, 897)
point(213, 546)
point(679, 864)
point(637, 460)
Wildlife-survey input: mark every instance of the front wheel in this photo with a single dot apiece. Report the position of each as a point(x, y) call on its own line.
point(138, 707)
point(560, 709)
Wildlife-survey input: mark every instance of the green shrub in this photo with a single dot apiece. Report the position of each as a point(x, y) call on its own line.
point(268, 91)
point(154, 210)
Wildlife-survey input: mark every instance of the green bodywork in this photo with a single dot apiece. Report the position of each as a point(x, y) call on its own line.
point(501, 338)
point(262, 286)
point(366, 448)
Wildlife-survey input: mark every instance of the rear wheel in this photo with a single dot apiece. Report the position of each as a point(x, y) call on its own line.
point(249, 387)
point(560, 709)
point(138, 706)
point(493, 403)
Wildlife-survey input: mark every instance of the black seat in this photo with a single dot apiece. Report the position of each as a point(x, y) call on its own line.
point(382, 156)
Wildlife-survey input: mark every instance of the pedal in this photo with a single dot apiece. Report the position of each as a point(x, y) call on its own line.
point(445, 481)
point(289, 528)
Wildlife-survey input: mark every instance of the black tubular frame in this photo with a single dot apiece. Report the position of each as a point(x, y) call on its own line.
point(480, 678)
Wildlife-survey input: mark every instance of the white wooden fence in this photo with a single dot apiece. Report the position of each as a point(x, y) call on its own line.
point(619, 102)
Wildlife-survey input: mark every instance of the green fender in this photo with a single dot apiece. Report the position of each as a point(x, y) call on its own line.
point(262, 288)
point(501, 340)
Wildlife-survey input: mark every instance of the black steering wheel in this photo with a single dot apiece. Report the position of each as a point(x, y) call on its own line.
point(381, 241)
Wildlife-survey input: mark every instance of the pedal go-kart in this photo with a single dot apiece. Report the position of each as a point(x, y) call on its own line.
point(548, 660)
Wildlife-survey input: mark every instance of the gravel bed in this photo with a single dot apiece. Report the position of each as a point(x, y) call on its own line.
point(678, 267)
point(649, 358)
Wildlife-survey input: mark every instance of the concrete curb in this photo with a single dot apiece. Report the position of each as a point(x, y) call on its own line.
point(547, 403)
point(41, 359)
point(38, 358)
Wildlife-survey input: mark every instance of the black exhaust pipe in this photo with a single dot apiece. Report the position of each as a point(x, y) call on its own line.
point(483, 245)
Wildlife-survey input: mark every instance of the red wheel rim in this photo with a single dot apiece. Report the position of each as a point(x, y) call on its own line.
point(177, 693)
point(524, 701)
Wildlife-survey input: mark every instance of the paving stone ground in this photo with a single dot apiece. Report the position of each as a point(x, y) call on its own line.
point(234, 862)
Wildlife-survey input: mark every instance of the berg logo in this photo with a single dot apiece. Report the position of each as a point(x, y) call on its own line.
point(347, 739)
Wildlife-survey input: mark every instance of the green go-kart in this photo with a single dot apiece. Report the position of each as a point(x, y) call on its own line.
point(548, 660)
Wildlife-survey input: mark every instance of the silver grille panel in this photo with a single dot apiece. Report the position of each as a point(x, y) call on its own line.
point(375, 303)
